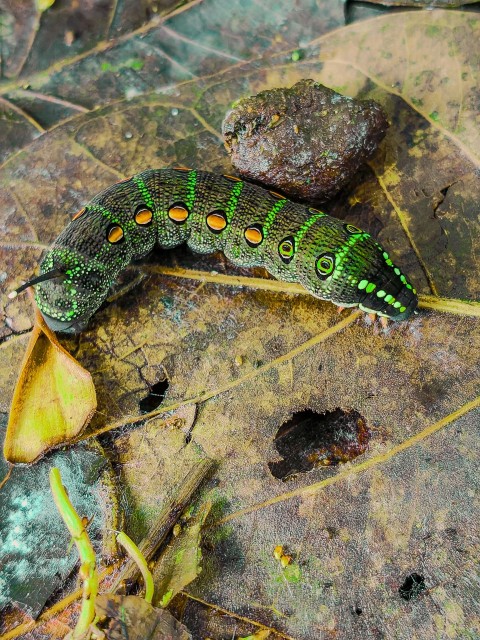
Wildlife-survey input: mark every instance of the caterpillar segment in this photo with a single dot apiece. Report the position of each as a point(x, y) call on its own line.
point(332, 259)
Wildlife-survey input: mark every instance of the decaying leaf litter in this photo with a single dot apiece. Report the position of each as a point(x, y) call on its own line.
point(440, 373)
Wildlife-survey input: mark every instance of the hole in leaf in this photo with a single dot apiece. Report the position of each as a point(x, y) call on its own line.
point(412, 587)
point(312, 439)
point(155, 397)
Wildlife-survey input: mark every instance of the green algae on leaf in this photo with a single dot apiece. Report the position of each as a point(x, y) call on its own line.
point(35, 554)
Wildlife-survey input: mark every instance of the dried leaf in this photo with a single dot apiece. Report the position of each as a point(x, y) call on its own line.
point(133, 618)
point(54, 398)
point(180, 563)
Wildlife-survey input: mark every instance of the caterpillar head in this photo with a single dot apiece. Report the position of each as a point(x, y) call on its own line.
point(69, 290)
point(347, 266)
point(68, 302)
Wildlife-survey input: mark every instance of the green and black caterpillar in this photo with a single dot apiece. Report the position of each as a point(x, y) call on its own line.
point(332, 259)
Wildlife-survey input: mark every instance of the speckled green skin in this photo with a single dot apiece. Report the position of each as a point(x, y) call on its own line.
point(330, 258)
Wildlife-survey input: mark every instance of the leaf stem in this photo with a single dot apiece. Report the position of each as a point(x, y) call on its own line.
point(137, 556)
point(88, 569)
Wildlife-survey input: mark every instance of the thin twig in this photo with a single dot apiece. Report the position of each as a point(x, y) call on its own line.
point(167, 518)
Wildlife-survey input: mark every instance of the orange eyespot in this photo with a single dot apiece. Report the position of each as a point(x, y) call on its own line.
point(253, 235)
point(178, 213)
point(143, 216)
point(114, 234)
point(216, 221)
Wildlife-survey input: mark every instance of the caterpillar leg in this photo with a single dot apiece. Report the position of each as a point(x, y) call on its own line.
point(384, 322)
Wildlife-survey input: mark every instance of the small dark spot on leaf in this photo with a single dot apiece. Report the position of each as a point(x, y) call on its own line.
point(312, 439)
point(358, 611)
point(412, 587)
point(155, 397)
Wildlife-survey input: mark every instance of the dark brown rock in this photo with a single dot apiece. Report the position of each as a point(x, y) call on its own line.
point(307, 141)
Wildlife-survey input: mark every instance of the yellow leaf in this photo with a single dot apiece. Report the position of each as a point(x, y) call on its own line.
point(43, 5)
point(53, 401)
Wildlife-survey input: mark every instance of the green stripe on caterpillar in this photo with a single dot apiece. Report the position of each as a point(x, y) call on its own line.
point(332, 259)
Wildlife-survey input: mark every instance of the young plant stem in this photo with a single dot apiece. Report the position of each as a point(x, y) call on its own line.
point(136, 555)
point(88, 569)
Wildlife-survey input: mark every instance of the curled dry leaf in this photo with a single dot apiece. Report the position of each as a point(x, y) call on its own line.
point(132, 617)
point(54, 398)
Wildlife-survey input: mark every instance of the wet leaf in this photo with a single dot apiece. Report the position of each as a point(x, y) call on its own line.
point(132, 617)
point(180, 563)
point(437, 4)
point(54, 398)
point(17, 129)
point(36, 554)
point(83, 55)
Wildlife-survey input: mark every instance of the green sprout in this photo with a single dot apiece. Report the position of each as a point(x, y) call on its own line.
point(136, 555)
point(86, 624)
point(88, 567)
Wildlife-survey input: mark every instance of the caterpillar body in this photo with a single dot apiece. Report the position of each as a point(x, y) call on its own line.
point(332, 259)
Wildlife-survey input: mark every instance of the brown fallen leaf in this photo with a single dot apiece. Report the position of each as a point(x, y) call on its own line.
point(180, 563)
point(54, 398)
point(133, 618)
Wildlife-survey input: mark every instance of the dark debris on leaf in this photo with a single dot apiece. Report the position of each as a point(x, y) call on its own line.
point(307, 140)
point(412, 586)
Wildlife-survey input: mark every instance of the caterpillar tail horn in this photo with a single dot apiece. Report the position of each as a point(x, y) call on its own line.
point(50, 275)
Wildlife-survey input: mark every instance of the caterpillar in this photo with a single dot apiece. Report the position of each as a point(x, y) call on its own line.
point(332, 259)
